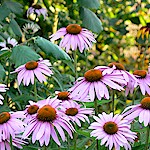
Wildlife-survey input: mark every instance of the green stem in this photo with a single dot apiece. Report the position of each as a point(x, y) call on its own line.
point(96, 114)
point(11, 145)
point(35, 90)
point(147, 138)
point(134, 95)
point(68, 142)
point(113, 101)
point(86, 57)
point(75, 141)
point(96, 107)
point(75, 63)
point(8, 81)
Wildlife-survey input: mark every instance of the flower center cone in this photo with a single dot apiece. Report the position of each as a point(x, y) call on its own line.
point(4, 117)
point(73, 29)
point(110, 127)
point(93, 75)
point(46, 113)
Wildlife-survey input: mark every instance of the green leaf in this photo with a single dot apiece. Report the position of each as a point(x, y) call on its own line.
point(2, 72)
point(51, 49)
point(22, 54)
point(99, 102)
point(15, 27)
point(82, 132)
point(4, 12)
point(90, 20)
point(14, 7)
point(95, 4)
point(5, 53)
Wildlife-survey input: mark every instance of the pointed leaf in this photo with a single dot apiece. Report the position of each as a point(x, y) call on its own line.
point(15, 27)
point(2, 72)
point(51, 49)
point(14, 7)
point(23, 54)
point(90, 20)
point(4, 12)
point(95, 4)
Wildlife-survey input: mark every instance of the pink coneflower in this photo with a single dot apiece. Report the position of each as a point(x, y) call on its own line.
point(2, 89)
point(141, 110)
point(30, 111)
point(94, 81)
point(38, 10)
point(75, 112)
point(65, 96)
point(10, 43)
point(118, 68)
point(143, 80)
point(17, 142)
point(112, 131)
point(28, 71)
point(10, 124)
point(75, 37)
point(45, 123)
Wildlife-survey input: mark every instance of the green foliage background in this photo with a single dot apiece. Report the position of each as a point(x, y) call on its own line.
point(115, 24)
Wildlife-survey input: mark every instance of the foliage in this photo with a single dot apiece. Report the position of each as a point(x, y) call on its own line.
point(115, 25)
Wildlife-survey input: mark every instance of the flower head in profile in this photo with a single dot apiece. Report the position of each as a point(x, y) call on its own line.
point(28, 71)
point(10, 43)
point(38, 10)
point(95, 82)
point(118, 68)
point(75, 37)
point(10, 124)
point(141, 110)
point(30, 110)
point(47, 123)
point(17, 142)
point(143, 80)
point(75, 112)
point(144, 31)
point(31, 28)
point(113, 131)
point(3, 88)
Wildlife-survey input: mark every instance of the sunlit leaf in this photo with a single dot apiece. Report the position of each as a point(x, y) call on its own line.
point(95, 4)
point(51, 49)
point(90, 20)
point(22, 54)
point(14, 7)
point(2, 72)
point(15, 27)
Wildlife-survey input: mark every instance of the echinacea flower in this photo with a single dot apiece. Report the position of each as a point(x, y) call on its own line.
point(3, 88)
point(113, 131)
point(30, 111)
point(38, 10)
point(17, 142)
point(28, 71)
point(143, 80)
point(95, 82)
point(76, 112)
point(144, 31)
point(31, 28)
point(118, 68)
point(10, 43)
point(75, 37)
point(65, 96)
point(141, 110)
point(46, 122)
point(10, 124)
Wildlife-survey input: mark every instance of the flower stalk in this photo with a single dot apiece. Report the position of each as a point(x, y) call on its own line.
point(75, 63)
point(147, 138)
